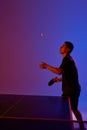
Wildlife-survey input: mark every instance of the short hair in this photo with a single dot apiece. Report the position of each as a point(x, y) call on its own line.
point(69, 45)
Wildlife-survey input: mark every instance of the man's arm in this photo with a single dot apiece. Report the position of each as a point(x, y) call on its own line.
point(57, 79)
point(55, 70)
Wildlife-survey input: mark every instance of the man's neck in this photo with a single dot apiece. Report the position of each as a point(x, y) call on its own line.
point(65, 54)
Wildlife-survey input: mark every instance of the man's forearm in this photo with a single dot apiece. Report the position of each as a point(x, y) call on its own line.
point(54, 69)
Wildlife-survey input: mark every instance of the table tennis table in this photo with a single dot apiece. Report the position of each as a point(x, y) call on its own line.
point(33, 112)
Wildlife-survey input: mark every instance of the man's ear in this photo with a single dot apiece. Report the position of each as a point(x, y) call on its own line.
point(68, 50)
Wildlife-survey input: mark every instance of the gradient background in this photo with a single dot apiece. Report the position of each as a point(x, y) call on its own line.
point(22, 48)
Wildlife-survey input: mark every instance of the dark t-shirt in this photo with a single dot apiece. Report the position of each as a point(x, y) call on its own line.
point(70, 83)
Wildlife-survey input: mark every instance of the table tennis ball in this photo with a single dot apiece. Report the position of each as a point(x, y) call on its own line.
point(42, 34)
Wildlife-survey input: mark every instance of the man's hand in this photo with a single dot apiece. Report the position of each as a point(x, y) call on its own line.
point(43, 65)
point(54, 80)
point(57, 79)
point(55, 70)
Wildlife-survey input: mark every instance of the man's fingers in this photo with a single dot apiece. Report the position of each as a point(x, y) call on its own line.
point(42, 65)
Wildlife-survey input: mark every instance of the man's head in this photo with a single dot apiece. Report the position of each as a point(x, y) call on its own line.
point(69, 45)
point(66, 48)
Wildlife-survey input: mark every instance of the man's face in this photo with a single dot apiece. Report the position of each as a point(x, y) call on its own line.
point(63, 49)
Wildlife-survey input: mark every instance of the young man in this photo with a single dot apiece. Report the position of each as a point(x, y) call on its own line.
point(70, 83)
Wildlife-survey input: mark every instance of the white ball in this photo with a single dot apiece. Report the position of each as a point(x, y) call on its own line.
point(42, 35)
